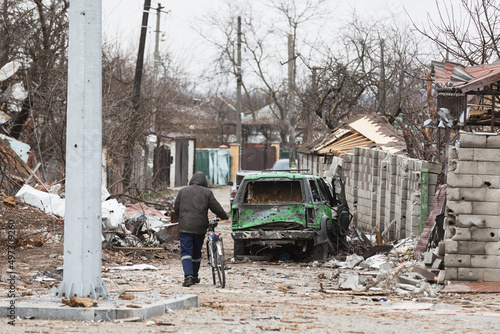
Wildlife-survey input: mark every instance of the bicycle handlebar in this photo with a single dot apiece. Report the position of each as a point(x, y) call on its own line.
point(212, 223)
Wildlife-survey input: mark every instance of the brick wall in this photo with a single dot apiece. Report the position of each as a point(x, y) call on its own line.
point(472, 245)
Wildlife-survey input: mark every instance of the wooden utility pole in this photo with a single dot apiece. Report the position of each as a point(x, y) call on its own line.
point(238, 87)
point(382, 87)
point(136, 99)
point(140, 56)
point(316, 95)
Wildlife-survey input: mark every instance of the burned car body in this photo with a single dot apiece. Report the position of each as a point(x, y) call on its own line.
point(288, 213)
point(240, 175)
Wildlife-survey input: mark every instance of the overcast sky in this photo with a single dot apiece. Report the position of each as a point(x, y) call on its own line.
point(122, 21)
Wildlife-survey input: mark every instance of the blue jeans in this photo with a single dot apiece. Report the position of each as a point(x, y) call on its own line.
point(191, 245)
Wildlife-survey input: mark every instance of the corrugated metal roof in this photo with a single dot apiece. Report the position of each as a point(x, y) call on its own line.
point(465, 78)
point(441, 75)
point(490, 76)
point(471, 80)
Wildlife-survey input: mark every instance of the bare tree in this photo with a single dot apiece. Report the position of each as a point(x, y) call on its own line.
point(467, 32)
point(35, 34)
point(368, 67)
point(173, 104)
point(265, 45)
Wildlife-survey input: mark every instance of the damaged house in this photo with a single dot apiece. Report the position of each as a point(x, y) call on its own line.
point(471, 94)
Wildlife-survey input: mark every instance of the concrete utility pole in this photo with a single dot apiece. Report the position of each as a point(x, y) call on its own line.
point(292, 117)
point(83, 222)
point(156, 64)
point(238, 86)
point(149, 177)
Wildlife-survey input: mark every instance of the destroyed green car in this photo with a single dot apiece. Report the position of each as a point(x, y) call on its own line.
point(289, 215)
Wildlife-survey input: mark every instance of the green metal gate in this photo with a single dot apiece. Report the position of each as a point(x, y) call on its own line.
point(215, 163)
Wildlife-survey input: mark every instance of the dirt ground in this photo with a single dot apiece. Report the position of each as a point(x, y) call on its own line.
point(259, 296)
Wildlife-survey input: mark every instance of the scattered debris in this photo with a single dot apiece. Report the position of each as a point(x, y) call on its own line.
point(131, 290)
point(136, 226)
point(351, 282)
point(134, 306)
point(49, 203)
point(164, 323)
point(10, 200)
point(384, 268)
point(131, 319)
point(136, 267)
point(146, 228)
point(122, 227)
point(126, 296)
point(80, 302)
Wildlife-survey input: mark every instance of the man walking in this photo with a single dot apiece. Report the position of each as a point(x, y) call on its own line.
point(191, 206)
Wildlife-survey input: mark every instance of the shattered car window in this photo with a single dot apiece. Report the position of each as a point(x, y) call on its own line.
point(315, 191)
point(273, 192)
point(326, 193)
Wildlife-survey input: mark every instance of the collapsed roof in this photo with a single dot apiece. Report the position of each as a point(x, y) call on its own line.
point(366, 130)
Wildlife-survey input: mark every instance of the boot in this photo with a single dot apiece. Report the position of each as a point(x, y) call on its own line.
point(188, 281)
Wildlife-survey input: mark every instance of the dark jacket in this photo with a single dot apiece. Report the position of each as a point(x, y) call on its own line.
point(192, 204)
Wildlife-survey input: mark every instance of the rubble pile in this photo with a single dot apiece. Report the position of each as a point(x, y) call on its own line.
point(33, 227)
point(393, 271)
point(143, 226)
point(17, 164)
point(134, 226)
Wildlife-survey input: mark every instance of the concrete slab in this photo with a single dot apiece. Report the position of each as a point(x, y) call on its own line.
point(111, 309)
point(425, 273)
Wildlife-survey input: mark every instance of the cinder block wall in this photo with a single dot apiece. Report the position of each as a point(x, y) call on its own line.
point(472, 245)
point(384, 188)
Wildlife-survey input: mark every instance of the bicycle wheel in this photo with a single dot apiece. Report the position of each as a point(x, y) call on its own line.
point(220, 263)
point(211, 259)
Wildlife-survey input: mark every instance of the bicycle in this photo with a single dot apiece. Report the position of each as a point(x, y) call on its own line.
point(215, 253)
